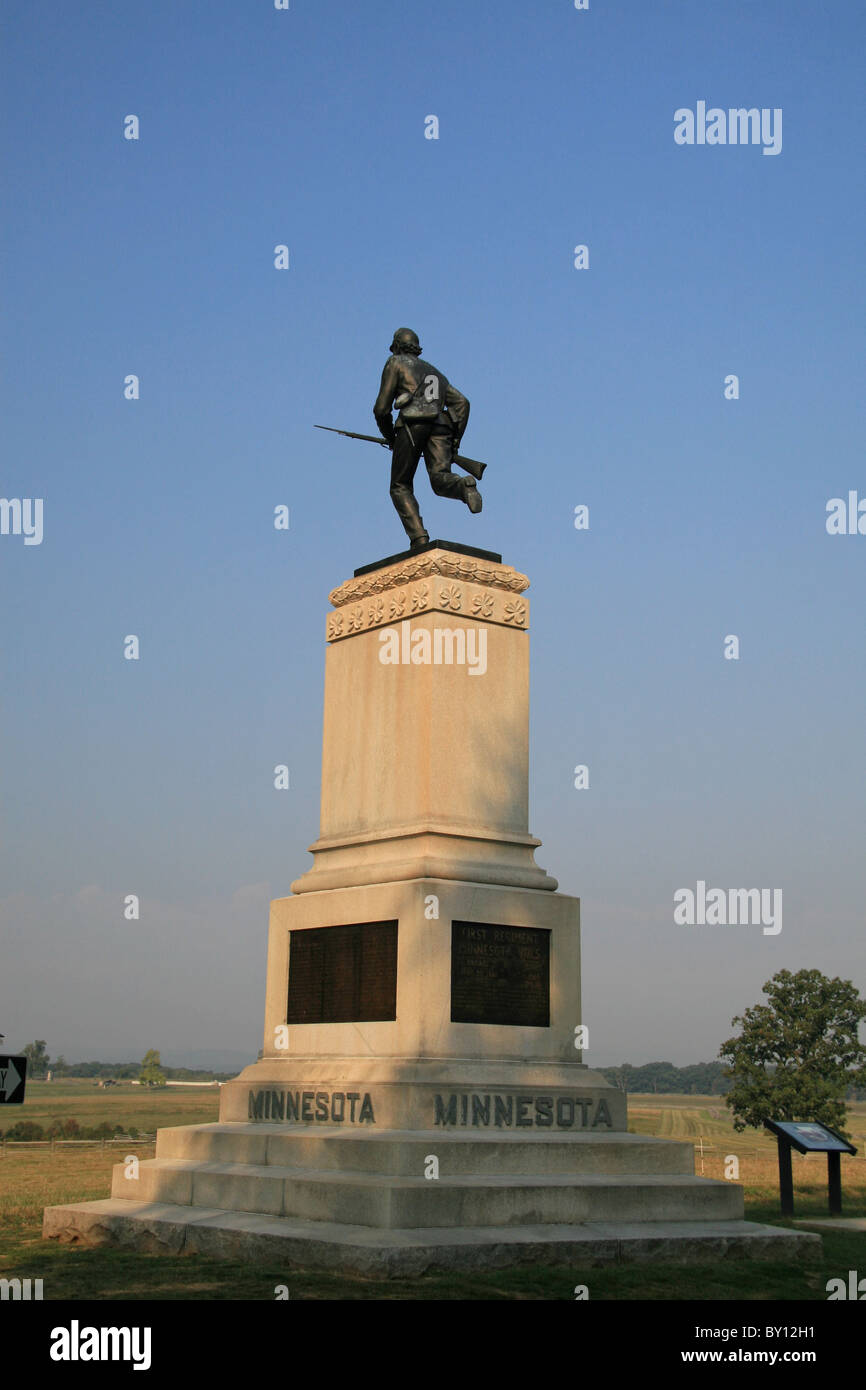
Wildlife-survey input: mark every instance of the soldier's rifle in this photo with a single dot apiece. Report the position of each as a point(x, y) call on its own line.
point(468, 465)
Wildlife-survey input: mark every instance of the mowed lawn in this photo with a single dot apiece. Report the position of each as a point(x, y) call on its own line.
point(34, 1177)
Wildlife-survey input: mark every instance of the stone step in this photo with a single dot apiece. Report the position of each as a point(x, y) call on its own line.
point(393, 1201)
point(405, 1152)
point(240, 1235)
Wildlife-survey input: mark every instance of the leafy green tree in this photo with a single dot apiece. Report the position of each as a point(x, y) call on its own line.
point(151, 1073)
point(38, 1060)
point(797, 1055)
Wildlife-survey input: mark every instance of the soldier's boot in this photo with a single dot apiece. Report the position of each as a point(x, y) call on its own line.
point(471, 495)
point(406, 504)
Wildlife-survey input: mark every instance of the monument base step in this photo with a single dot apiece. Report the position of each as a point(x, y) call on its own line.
point(395, 1202)
point(401, 1180)
point(405, 1152)
point(165, 1228)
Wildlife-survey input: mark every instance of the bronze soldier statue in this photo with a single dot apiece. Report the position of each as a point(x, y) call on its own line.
point(433, 416)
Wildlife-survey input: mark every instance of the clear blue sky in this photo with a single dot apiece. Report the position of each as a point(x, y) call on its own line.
point(603, 387)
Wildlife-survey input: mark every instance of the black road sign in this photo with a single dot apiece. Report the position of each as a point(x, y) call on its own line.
point(13, 1071)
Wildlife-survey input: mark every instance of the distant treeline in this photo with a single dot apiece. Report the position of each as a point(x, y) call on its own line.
point(130, 1071)
point(701, 1079)
point(28, 1131)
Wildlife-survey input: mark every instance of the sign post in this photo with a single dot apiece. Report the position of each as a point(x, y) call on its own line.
point(809, 1137)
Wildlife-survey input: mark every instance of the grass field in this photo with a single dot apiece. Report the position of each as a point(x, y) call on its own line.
point(34, 1177)
point(123, 1104)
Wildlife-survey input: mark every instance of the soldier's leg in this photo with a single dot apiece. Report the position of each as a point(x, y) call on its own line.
point(404, 461)
point(437, 456)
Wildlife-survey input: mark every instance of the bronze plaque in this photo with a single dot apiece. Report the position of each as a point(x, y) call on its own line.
point(500, 974)
point(343, 974)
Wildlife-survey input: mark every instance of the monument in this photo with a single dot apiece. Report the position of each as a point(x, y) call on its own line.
point(421, 1100)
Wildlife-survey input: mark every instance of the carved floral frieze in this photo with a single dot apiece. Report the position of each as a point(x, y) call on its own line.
point(448, 565)
point(436, 582)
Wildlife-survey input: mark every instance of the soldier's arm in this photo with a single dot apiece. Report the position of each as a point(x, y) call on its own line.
point(385, 400)
point(458, 409)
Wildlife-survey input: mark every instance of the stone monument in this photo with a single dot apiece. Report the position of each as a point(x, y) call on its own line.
point(421, 1100)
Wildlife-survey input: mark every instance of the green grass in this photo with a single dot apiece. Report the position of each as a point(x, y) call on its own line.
point(31, 1179)
point(123, 1104)
point(71, 1273)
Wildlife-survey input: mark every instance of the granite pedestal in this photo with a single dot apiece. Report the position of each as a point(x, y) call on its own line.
point(421, 1100)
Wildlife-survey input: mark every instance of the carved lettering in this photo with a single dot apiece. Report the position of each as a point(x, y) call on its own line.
point(521, 1111)
point(297, 1107)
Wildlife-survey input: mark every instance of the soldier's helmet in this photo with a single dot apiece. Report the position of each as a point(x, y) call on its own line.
point(406, 341)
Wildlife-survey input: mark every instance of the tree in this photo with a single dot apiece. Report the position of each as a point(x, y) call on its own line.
point(151, 1073)
point(38, 1060)
point(797, 1055)
point(64, 1129)
point(25, 1131)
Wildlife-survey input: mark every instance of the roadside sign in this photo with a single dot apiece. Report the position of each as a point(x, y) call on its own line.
point(13, 1073)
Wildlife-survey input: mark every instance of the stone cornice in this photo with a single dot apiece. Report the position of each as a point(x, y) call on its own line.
point(431, 564)
point(439, 581)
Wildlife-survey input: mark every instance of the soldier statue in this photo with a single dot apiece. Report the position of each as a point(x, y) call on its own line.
point(431, 421)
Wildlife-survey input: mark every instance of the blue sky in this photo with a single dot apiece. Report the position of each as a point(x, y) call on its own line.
point(603, 387)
